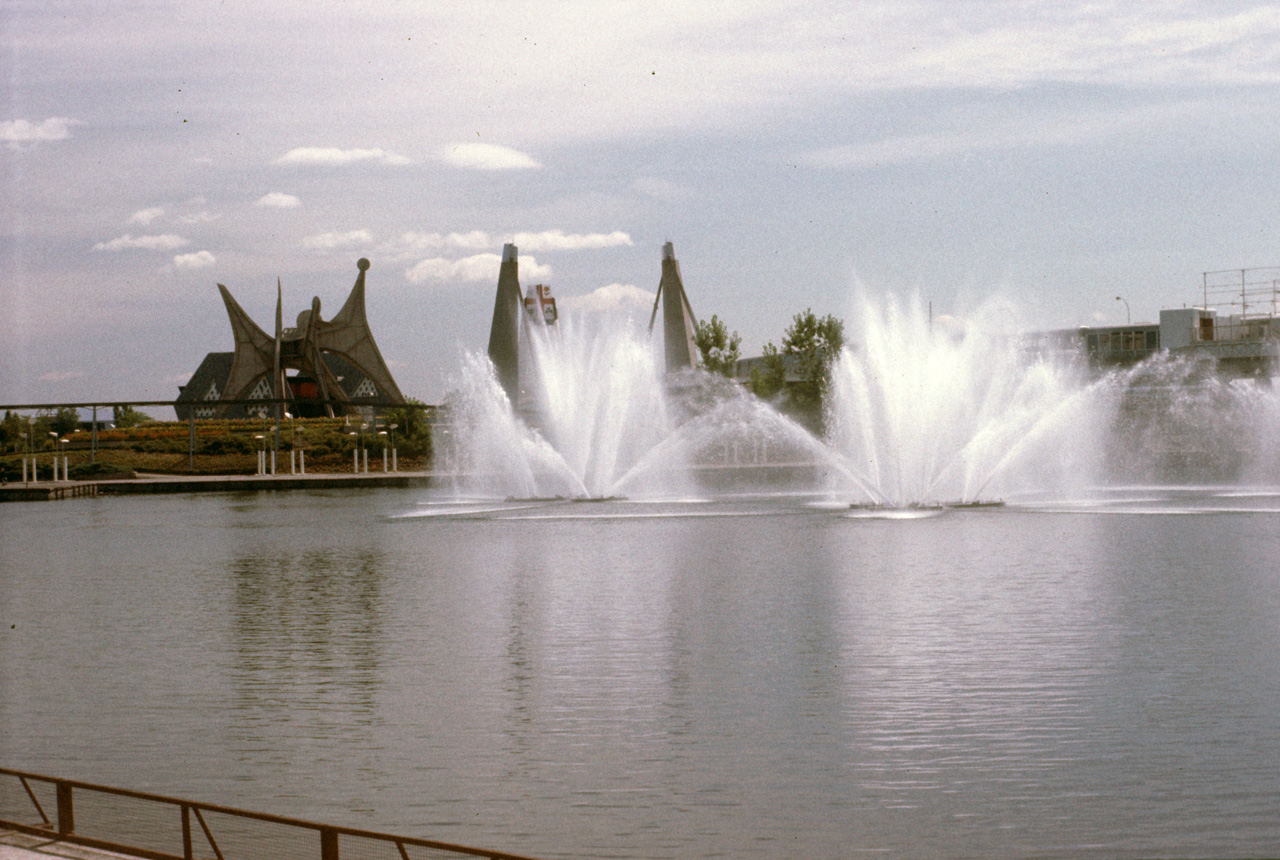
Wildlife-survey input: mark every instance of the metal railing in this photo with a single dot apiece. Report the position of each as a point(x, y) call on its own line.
point(158, 827)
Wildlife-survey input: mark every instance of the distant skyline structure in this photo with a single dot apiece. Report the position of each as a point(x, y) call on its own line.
point(338, 362)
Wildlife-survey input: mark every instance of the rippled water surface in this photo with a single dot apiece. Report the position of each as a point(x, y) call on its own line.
point(772, 677)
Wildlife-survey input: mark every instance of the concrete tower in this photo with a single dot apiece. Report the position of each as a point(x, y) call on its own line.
point(504, 334)
point(677, 317)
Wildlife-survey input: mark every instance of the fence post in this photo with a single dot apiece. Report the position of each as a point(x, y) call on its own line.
point(328, 844)
point(66, 811)
point(187, 851)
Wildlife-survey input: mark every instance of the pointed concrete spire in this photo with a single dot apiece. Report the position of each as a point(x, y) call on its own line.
point(277, 375)
point(348, 335)
point(504, 333)
point(677, 317)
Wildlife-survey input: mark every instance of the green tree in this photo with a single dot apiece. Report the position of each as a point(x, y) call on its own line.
point(65, 420)
point(413, 428)
point(719, 349)
point(13, 430)
point(769, 382)
point(127, 416)
point(815, 342)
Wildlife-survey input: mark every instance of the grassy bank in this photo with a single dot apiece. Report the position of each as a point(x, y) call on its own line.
point(219, 447)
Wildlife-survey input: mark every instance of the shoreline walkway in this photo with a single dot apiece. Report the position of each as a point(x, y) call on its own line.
point(27, 846)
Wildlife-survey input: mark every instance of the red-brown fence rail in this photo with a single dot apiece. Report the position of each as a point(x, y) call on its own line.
point(158, 827)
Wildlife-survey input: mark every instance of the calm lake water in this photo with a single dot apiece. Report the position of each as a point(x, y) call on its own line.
point(739, 677)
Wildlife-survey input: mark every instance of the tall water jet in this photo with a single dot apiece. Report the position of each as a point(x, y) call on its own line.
point(1179, 419)
point(572, 409)
point(926, 413)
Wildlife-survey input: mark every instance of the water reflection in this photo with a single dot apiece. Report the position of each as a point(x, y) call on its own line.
point(308, 628)
point(738, 678)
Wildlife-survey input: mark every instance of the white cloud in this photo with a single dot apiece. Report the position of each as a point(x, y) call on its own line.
point(25, 131)
point(278, 200)
point(61, 375)
point(164, 242)
point(558, 240)
point(660, 189)
point(332, 156)
point(478, 267)
point(201, 217)
point(982, 134)
point(488, 156)
point(470, 241)
point(146, 216)
point(546, 240)
point(613, 298)
point(198, 260)
point(331, 241)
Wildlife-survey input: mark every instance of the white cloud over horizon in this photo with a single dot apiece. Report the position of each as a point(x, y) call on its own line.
point(558, 240)
point(545, 240)
point(162, 242)
point(278, 200)
point(488, 156)
point(61, 375)
point(473, 240)
point(197, 260)
point(146, 216)
point(333, 241)
point(335, 157)
point(612, 298)
point(16, 131)
point(478, 267)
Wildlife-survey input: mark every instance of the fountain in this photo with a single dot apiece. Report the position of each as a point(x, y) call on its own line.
point(573, 406)
point(918, 414)
point(959, 414)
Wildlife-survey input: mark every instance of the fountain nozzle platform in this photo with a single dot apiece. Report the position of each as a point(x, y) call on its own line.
point(928, 506)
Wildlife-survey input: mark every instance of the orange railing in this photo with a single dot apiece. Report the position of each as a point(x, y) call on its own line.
point(158, 827)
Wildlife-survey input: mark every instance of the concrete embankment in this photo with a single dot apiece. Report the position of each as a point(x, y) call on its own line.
point(152, 484)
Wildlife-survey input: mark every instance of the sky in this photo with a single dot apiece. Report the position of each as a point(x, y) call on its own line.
point(1055, 154)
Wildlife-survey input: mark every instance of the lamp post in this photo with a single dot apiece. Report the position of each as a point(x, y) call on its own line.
point(293, 444)
point(262, 453)
point(394, 466)
point(30, 439)
point(66, 466)
point(1128, 320)
point(383, 434)
point(355, 451)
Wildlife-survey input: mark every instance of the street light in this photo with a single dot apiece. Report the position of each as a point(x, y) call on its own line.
point(262, 453)
point(30, 439)
point(54, 435)
point(1127, 318)
point(293, 446)
point(394, 466)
